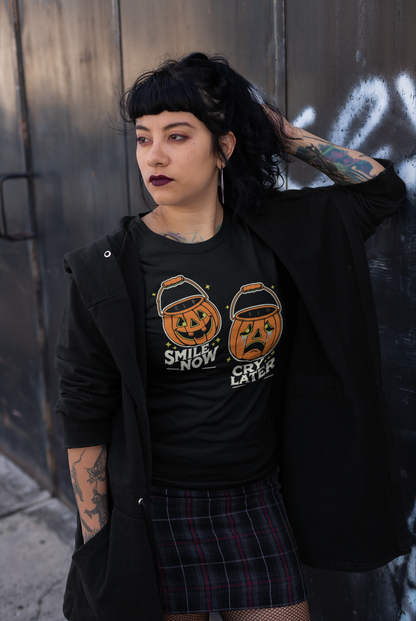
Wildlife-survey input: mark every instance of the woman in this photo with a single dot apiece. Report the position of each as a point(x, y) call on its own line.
point(227, 333)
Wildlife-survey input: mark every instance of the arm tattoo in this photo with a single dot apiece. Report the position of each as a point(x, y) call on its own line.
point(88, 532)
point(337, 163)
point(98, 472)
point(74, 478)
point(101, 507)
point(96, 475)
point(85, 525)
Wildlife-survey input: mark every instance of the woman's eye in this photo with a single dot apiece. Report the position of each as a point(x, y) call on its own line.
point(176, 137)
point(142, 139)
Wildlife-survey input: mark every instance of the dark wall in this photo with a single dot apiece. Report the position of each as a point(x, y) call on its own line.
point(343, 70)
point(351, 78)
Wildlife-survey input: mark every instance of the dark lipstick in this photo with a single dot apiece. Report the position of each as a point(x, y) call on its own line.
point(159, 179)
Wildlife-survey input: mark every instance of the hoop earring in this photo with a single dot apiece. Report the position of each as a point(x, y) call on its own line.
point(222, 184)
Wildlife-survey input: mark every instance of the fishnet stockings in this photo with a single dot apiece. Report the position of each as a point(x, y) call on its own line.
point(297, 612)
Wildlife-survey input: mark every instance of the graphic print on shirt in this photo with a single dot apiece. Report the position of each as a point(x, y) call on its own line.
point(254, 332)
point(192, 321)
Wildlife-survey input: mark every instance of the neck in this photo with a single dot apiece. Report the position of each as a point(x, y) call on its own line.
point(184, 225)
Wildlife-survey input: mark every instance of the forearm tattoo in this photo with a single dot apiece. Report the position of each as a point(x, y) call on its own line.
point(88, 532)
point(97, 474)
point(101, 507)
point(337, 163)
point(74, 479)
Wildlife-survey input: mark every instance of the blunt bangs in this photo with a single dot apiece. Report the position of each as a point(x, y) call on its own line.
point(154, 93)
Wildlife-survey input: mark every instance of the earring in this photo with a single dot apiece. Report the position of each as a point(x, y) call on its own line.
point(222, 184)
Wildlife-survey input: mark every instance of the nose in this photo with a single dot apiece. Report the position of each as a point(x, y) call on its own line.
point(156, 155)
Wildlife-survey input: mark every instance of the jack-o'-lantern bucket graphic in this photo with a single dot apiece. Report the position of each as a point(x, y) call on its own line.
point(190, 321)
point(257, 329)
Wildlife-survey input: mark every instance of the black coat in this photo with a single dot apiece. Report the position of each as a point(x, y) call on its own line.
point(339, 475)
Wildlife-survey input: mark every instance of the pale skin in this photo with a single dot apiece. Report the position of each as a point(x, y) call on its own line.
point(178, 146)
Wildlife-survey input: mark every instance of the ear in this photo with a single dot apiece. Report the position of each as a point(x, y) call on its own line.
point(227, 144)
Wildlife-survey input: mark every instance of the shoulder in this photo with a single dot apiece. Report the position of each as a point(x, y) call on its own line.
point(368, 203)
point(87, 255)
point(94, 268)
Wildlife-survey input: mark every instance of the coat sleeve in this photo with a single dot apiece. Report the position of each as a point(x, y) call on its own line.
point(89, 385)
point(375, 200)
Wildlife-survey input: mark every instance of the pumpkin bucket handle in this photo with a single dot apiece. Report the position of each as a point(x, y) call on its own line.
point(175, 282)
point(252, 288)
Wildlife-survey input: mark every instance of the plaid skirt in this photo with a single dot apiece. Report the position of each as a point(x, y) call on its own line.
point(225, 549)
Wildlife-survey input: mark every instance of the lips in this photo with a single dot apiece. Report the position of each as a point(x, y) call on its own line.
point(159, 180)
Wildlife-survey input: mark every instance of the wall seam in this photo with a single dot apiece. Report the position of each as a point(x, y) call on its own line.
point(117, 15)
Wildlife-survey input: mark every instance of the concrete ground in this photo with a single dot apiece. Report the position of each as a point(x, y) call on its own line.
point(36, 543)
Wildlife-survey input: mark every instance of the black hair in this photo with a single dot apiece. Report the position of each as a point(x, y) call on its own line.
point(209, 88)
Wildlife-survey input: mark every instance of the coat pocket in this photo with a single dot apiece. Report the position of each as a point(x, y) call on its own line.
point(113, 576)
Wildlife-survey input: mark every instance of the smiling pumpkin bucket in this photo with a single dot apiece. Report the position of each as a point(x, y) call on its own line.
point(190, 321)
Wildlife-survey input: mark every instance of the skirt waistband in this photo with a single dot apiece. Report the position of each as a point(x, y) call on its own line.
point(268, 483)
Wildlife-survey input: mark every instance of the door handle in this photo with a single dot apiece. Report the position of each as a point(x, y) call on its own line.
point(5, 234)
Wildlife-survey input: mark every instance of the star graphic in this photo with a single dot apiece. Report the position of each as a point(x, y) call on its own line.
point(167, 344)
point(174, 348)
point(207, 286)
point(227, 307)
point(228, 359)
point(272, 286)
point(153, 294)
point(218, 340)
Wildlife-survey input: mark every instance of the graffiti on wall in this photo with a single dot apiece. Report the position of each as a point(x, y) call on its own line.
point(371, 99)
point(403, 573)
point(365, 112)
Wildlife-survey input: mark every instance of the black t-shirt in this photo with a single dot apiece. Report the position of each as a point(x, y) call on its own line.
point(216, 337)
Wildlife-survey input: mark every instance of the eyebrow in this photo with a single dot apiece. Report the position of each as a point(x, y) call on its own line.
point(170, 126)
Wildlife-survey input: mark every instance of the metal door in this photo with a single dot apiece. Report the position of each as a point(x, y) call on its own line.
point(25, 422)
point(70, 61)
